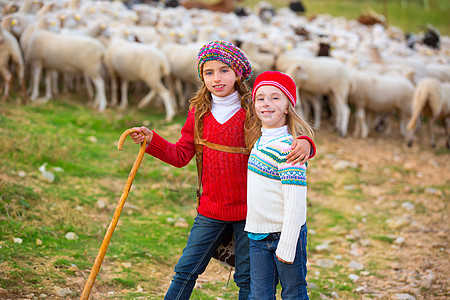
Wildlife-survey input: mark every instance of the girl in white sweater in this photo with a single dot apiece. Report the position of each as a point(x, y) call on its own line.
point(276, 193)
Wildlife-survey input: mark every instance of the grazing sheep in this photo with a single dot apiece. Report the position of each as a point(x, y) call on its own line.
point(131, 61)
point(10, 50)
point(325, 76)
point(183, 70)
point(17, 22)
point(225, 6)
point(380, 94)
point(432, 99)
point(260, 61)
point(439, 71)
point(31, 6)
point(68, 54)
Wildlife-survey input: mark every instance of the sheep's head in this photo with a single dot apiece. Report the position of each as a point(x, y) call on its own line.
point(297, 73)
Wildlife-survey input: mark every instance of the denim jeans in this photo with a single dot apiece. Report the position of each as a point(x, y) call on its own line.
point(266, 270)
point(205, 236)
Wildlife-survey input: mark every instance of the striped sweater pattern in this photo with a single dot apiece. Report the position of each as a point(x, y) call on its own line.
point(270, 162)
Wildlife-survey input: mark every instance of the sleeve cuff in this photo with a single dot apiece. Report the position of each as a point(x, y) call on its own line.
point(157, 146)
point(313, 146)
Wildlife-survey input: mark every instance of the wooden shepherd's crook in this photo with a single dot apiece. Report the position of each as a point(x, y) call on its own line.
point(115, 218)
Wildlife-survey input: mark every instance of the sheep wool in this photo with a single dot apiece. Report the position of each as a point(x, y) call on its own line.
point(278, 80)
point(227, 53)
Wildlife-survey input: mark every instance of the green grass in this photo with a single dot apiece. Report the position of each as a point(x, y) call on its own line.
point(93, 169)
point(411, 18)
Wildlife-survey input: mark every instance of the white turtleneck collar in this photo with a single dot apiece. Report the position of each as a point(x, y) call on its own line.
point(223, 108)
point(269, 134)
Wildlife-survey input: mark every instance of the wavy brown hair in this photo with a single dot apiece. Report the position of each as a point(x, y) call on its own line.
point(202, 100)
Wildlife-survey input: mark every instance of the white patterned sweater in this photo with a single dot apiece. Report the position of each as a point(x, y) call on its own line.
point(276, 191)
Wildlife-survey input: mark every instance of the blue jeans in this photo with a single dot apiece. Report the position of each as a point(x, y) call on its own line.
point(266, 269)
point(205, 236)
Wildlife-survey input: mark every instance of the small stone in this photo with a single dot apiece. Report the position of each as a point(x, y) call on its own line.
point(365, 273)
point(126, 265)
point(325, 263)
point(408, 205)
point(404, 296)
point(92, 139)
point(427, 280)
point(361, 289)
point(353, 277)
point(63, 292)
point(71, 236)
point(58, 169)
point(17, 241)
point(38, 242)
point(324, 247)
point(344, 164)
point(356, 265)
point(100, 204)
point(21, 174)
point(349, 187)
point(397, 222)
point(400, 240)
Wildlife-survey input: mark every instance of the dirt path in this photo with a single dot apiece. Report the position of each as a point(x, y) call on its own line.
point(411, 186)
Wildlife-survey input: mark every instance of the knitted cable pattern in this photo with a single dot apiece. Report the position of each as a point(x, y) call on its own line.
point(227, 53)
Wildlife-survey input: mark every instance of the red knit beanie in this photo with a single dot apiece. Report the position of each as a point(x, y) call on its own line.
point(278, 80)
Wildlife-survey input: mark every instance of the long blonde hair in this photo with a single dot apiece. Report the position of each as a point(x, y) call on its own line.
point(295, 124)
point(202, 100)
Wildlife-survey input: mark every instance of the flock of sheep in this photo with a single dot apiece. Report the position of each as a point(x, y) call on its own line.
point(86, 45)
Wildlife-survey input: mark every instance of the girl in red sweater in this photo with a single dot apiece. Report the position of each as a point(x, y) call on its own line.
point(220, 113)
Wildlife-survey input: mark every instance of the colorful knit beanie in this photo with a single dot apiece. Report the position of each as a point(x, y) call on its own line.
point(278, 80)
point(227, 53)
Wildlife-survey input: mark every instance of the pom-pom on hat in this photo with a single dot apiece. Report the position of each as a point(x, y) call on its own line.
point(278, 80)
point(227, 53)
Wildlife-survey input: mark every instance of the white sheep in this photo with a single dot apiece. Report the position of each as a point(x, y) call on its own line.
point(325, 76)
point(183, 66)
point(67, 54)
point(432, 99)
point(131, 61)
point(10, 50)
point(17, 22)
point(262, 61)
point(380, 94)
point(439, 71)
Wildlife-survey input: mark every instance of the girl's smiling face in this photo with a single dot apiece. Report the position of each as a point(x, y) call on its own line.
point(219, 78)
point(271, 106)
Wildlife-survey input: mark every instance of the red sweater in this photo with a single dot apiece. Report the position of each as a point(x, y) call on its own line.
point(224, 178)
